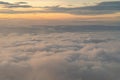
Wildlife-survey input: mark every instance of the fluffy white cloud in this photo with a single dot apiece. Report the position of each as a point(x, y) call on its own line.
point(60, 56)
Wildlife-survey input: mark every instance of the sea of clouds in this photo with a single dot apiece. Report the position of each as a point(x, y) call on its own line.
point(60, 56)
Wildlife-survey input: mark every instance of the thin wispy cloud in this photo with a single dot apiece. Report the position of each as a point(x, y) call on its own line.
point(15, 5)
point(100, 8)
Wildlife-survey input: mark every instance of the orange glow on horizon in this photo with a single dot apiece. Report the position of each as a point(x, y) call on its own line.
point(39, 16)
point(57, 16)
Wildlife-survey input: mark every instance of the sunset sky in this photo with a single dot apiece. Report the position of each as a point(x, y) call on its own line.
point(59, 39)
point(59, 11)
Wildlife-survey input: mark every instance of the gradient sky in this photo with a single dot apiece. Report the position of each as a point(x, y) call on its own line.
point(62, 11)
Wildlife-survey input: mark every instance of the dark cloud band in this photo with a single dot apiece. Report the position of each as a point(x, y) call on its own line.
point(101, 8)
point(15, 5)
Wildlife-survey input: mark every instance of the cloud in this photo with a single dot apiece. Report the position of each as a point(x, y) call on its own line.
point(15, 5)
point(59, 56)
point(100, 8)
point(2, 2)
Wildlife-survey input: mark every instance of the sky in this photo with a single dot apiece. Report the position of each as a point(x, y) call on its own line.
point(60, 12)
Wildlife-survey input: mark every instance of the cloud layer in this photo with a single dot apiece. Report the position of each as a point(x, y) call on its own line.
point(15, 5)
point(100, 8)
point(60, 56)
